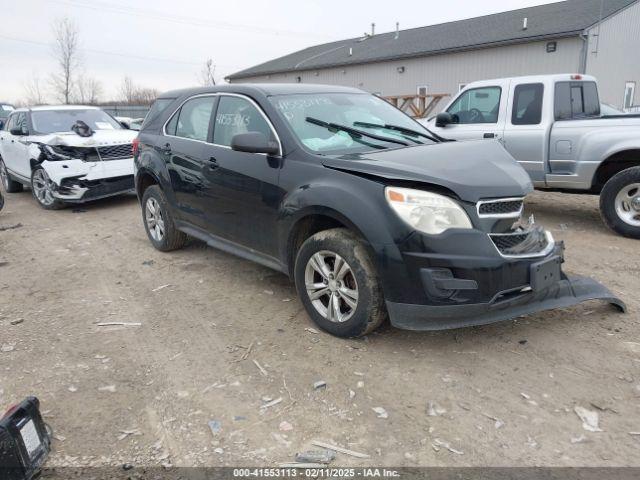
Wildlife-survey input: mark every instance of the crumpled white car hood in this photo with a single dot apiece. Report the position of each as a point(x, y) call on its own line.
point(99, 138)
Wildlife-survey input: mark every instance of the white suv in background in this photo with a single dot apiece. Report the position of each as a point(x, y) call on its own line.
point(67, 154)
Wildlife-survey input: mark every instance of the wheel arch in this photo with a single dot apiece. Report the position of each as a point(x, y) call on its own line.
point(144, 179)
point(311, 221)
point(614, 164)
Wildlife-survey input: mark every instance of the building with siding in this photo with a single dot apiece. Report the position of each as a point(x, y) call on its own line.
point(597, 37)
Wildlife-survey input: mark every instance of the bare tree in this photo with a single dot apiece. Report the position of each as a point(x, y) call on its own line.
point(66, 51)
point(33, 91)
point(132, 94)
point(88, 90)
point(207, 74)
point(127, 90)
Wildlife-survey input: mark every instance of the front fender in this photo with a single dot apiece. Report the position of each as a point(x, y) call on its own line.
point(357, 203)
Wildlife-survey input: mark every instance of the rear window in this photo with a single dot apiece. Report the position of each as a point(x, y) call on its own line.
point(159, 106)
point(576, 100)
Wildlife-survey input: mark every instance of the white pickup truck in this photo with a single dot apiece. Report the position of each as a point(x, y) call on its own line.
point(553, 126)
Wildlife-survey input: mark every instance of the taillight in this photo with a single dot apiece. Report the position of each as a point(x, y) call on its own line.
point(135, 146)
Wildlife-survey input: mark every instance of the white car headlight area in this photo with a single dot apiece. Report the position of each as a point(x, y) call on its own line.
point(425, 211)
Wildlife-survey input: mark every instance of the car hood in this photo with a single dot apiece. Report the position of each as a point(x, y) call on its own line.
point(473, 170)
point(98, 139)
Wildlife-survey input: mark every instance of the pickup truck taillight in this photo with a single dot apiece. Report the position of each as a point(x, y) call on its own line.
point(135, 146)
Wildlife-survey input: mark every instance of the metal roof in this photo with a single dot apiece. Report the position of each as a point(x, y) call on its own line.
point(553, 20)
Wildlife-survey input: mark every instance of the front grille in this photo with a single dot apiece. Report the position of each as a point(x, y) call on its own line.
point(115, 152)
point(492, 208)
point(520, 243)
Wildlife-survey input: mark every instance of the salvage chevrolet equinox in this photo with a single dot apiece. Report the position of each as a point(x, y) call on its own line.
point(370, 214)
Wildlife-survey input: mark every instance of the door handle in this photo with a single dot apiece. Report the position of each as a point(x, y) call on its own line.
point(166, 148)
point(213, 163)
point(489, 135)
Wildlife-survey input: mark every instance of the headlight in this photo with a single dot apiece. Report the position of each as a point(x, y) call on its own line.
point(426, 211)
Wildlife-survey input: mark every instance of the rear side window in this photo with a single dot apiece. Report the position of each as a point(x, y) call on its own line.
point(576, 100)
point(193, 119)
point(527, 104)
point(237, 115)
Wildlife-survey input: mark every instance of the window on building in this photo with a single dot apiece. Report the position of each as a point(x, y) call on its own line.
point(194, 119)
point(629, 94)
point(527, 104)
point(423, 90)
point(238, 115)
point(576, 100)
point(478, 105)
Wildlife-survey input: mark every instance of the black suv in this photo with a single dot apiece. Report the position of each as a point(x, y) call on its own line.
point(369, 213)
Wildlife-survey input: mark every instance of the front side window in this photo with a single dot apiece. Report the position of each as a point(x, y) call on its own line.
point(527, 104)
point(316, 120)
point(479, 105)
point(58, 121)
point(237, 115)
point(193, 119)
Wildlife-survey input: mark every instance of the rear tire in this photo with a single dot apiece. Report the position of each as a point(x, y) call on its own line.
point(620, 203)
point(42, 190)
point(10, 185)
point(338, 284)
point(158, 222)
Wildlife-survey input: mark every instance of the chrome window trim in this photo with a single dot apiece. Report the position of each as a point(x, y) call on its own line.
point(500, 215)
point(223, 94)
point(551, 245)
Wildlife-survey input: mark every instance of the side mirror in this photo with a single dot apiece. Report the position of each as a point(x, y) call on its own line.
point(443, 119)
point(1, 124)
point(18, 132)
point(254, 142)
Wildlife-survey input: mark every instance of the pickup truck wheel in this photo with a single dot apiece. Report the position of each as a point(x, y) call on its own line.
point(158, 222)
point(338, 284)
point(10, 186)
point(620, 203)
point(42, 189)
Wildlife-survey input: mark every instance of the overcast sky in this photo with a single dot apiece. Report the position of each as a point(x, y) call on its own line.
point(164, 43)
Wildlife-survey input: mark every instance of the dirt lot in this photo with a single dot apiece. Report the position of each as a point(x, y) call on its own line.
point(501, 395)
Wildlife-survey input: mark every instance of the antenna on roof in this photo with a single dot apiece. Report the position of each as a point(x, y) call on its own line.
point(397, 30)
point(373, 29)
point(525, 23)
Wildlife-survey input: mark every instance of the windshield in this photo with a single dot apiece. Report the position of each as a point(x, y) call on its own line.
point(341, 123)
point(54, 121)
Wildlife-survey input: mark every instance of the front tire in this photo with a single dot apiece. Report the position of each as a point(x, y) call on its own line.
point(42, 189)
point(158, 222)
point(338, 284)
point(620, 203)
point(10, 185)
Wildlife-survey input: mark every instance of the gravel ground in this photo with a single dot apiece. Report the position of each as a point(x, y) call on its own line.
point(216, 338)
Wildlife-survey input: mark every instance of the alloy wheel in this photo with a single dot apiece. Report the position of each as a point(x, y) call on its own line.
point(43, 187)
point(154, 219)
point(331, 286)
point(628, 204)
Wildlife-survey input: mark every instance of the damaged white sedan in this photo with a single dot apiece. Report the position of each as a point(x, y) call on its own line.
point(66, 154)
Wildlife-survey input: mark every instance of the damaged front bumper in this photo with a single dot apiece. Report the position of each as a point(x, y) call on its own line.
point(77, 181)
point(564, 293)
